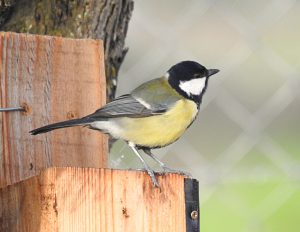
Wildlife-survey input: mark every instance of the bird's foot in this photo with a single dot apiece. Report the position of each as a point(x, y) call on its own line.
point(175, 171)
point(151, 173)
point(153, 178)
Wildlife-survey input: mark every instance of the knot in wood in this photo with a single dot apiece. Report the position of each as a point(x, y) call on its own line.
point(70, 115)
point(27, 108)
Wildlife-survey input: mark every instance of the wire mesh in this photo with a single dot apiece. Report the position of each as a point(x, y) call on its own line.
point(244, 146)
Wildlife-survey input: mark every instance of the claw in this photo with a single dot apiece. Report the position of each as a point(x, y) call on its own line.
point(150, 173)
point(153, 178)
point(164, 167)
point(169, 170)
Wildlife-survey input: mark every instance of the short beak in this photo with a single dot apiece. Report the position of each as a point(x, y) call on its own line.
point(212, 71)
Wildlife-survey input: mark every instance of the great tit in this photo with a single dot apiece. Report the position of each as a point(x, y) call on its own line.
point(153, 115)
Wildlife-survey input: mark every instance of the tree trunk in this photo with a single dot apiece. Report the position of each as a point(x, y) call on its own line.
point(98, 19)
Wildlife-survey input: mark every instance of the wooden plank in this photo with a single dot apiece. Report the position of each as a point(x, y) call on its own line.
point(58, 79)
point(88, 199)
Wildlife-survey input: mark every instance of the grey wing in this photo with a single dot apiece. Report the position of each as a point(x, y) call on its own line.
point(125, 106)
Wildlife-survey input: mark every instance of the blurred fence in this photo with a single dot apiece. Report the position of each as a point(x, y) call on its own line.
point(244, 146)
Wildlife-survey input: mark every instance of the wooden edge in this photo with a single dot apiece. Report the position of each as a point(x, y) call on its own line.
point(92, 199)
point(12, 33)
point(192, 211)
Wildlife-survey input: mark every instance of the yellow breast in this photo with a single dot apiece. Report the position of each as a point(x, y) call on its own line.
point(160, 130)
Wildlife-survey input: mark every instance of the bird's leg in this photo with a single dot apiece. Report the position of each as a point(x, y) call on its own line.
point(148, 169)
point(163, 166)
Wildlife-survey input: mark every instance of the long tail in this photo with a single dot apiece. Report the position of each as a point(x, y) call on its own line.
point(68, 123)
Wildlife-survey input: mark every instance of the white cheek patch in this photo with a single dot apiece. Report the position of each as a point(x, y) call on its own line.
point(194, 86)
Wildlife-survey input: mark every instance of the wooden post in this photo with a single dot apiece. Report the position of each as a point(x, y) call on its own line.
point(55, 79)
point(86, 199)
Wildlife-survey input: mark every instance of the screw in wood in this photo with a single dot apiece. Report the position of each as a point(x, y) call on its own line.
point(194, 215)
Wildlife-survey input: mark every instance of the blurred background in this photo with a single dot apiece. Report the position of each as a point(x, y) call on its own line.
point(244, 147)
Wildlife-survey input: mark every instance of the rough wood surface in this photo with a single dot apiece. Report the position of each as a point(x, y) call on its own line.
point(86, 199)
point(97, 19)
point(57, 79)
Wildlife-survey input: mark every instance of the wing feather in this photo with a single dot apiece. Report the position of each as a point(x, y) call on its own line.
point(126, 106)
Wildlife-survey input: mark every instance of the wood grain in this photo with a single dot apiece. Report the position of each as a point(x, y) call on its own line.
point(89, 199)
point(58, 79)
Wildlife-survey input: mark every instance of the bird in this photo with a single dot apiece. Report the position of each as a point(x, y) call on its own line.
point(153, 115)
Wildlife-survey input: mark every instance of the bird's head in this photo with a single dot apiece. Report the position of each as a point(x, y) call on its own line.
point(190, 79)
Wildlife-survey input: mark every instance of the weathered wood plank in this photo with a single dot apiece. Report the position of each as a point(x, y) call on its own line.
point(58, 79)
point(88, 199)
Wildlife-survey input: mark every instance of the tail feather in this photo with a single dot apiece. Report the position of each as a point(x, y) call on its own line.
point(68, 123)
